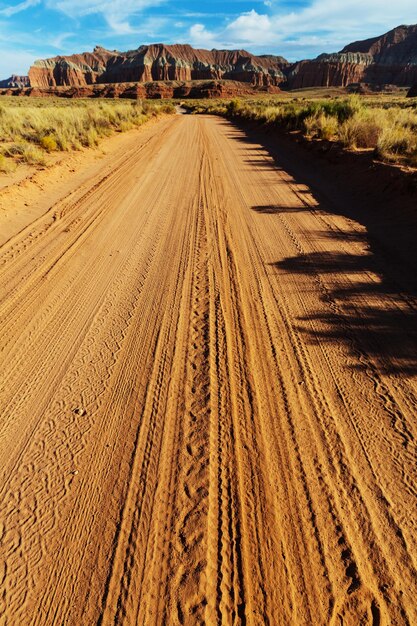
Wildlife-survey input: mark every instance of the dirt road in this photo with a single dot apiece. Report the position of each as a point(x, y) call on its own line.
point(208, 400)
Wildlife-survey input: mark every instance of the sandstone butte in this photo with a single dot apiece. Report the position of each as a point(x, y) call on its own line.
point(157, 62)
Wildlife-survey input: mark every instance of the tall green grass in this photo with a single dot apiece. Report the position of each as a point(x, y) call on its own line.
point(30, 131)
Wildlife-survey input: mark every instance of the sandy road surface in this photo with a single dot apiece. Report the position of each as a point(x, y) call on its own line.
point(208, 401)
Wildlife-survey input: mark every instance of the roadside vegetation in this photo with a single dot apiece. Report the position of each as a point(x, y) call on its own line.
point(30, 131)
point(386, 127)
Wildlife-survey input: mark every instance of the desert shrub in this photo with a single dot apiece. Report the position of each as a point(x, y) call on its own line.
point(293, 115)
point(90, 137)
point(361, 132)
point(396, 141)
point(392, 131)
point(168, 108)
point(147, 107)
point(6, 165)
point(322, 126)
point(402, 117)
point(343, 109)
point(49, 143)
point(140, 119)
point(126, 125)
point(270, 114)
point(62, 140)
point(27, 153)
point(310, 125)
point(33, 155)
point(233, 107)
point(103, 125)
point(328, 127)
point(150, 108)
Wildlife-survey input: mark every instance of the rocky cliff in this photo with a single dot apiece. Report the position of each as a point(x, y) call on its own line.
point(15, 82)
point(76, 70)
point(155, 63)
point(389, 59)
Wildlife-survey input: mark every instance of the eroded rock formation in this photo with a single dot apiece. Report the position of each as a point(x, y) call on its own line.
point(389, 59)
point(157, 62)
point(15, 82)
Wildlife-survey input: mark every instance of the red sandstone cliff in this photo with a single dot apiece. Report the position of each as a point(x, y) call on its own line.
point(157, 62)
point(389, 59)
point(77, 70)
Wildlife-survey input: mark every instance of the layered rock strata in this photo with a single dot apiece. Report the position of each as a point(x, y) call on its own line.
point(15, 82)
point(390, 59)
point(157, 62)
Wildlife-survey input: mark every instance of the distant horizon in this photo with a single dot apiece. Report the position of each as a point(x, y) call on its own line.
point(296, 30)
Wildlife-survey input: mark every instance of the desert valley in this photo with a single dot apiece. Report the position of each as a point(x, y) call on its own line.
point(208, 338)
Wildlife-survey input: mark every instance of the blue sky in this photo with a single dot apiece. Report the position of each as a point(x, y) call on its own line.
point(31, 29)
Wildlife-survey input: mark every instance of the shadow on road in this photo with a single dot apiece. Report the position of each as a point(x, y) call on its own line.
point(375, 316)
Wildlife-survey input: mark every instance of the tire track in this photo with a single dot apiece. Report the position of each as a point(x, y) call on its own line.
point(180, 442)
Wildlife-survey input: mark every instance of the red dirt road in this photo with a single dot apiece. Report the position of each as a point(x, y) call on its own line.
point(208, 400)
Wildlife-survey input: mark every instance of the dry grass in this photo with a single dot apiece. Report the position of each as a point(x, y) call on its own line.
point(31, 130)
point(6, 165)
point(386, 126)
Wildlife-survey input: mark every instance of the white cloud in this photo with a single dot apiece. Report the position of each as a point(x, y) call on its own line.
point(117, 13)
point(250, 26)
point(200, 36)
point(348, 17)
point(17, 8)
point(325, 25)
point(57, 41)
